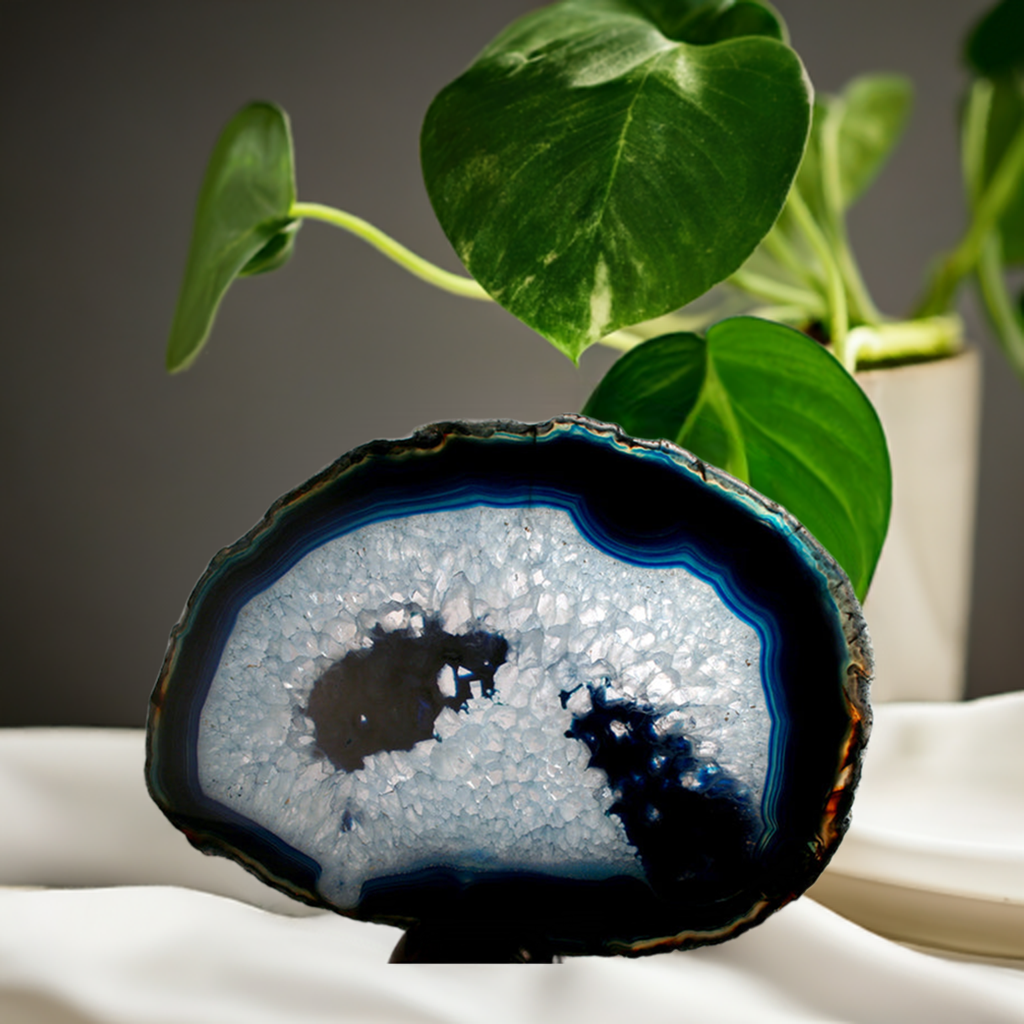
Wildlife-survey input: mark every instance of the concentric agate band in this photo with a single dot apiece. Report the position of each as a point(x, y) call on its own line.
point(599, 801)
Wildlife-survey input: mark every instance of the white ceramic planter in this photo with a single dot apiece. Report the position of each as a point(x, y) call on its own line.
point(918, 606)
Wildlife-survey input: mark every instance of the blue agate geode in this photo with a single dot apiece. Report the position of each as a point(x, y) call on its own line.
point(540, 679)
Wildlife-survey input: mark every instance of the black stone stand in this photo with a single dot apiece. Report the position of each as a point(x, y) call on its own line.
point(451, 943)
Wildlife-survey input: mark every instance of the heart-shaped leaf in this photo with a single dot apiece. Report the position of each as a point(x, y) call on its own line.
point(604, 162)
point(772, 406)
point(710, 21)
point(870, 115)
point(242, 223)
point(995, 45)
point(995, 50)
point(875, 113)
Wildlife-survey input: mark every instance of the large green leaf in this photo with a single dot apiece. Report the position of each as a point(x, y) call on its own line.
point(871, 114)
point(710, 21)
point(995, 50)
point(775, 408)
point(242, 223)
point(995, 45)
point(875, 113)
point(605, 161)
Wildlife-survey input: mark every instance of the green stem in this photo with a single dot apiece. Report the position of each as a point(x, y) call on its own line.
point(627, 338)
point(860, 298)
point(989, 208)
point(796, 315)
point(839, 317)
point(1009, 326)
point(1007, 321)
point(862, 305)
point(974, 135)
point(779, 246)
point(763, 287)
point(831, 180)
point(622, 340)
point(457, 284)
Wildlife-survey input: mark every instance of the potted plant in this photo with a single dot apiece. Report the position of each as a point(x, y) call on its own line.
point(605, 163)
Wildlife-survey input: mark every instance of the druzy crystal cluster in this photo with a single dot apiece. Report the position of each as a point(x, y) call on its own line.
point(500, 778)
point(544, 677)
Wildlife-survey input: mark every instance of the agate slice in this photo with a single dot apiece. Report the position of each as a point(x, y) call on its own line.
point(540, 682)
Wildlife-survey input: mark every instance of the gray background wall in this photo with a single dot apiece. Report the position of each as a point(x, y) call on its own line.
point(120, 483)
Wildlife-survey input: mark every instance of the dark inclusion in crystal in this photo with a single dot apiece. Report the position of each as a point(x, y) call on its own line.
point(712, 860)
point(692, 823)
point(387, 697)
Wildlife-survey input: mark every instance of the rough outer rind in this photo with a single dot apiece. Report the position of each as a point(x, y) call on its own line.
point(214, 829)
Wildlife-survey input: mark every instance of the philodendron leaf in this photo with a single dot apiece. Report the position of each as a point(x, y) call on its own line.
point(711, 21)
point(876, 109)
point(995, 45)
point(759, 396)
point(242, 223)
point(276, 253)
point(995, 50)
point(604, 161)
point(871, 112)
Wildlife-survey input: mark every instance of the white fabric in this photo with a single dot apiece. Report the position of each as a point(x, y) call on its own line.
point(160, 948)
point(942, 798)
point(936, 852)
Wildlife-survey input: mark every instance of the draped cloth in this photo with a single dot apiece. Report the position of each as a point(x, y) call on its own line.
point(109, 915)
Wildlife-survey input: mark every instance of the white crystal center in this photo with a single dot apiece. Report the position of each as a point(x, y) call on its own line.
point(501, 785)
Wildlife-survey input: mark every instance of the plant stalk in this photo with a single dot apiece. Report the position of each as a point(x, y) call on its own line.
point(839, 316)
point(1007, 321)
point(973, 136)
point(862, 305)
point(780, 247)
point(762, 286)
point(987, 211)
point(457, 284)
